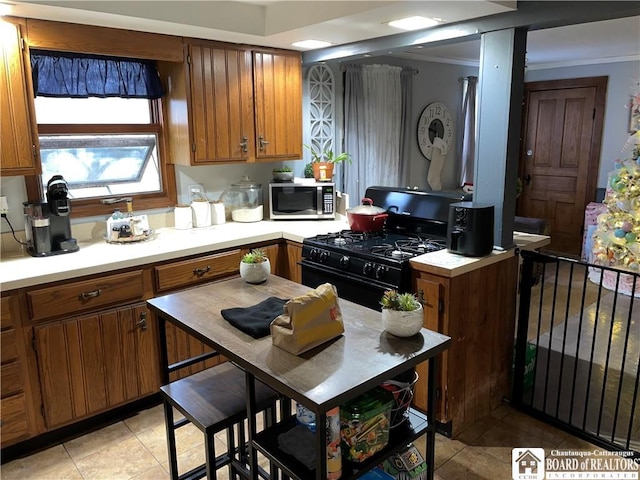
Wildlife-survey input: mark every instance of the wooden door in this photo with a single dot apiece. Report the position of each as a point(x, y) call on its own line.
point(18, 144)
point(560, 154)
point(277, 81)
point(91, 363)
point(221, 104)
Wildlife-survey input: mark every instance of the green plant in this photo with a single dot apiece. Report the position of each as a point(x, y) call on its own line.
point(257, 255)
point(283, 169)
point(405, 302)
point(327, 156)
point(308, 170)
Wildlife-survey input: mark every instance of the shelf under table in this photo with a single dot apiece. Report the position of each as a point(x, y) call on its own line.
point(266, 442)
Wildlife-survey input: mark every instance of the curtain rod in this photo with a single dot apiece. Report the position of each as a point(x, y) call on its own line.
point(344, 66)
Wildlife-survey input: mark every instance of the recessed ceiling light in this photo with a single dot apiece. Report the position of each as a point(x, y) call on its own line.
point(413, 23)
point(311, 44)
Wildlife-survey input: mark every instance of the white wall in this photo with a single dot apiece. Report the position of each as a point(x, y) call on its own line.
point(623, 80)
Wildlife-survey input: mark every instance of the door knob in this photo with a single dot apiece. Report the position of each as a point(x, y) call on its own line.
point(529, 153)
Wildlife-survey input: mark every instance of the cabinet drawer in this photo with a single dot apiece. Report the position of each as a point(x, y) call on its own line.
point(14, 419)
point(79, 296)
point(8, 345)
point(197, 270)
point(11, 379)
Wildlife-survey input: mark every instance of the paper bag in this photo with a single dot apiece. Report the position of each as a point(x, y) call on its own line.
point(309, 320)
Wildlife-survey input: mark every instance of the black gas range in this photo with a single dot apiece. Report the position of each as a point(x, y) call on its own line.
point(363, 265)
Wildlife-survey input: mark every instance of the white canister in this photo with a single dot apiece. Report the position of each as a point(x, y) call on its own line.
point(201, 213)
point(183, 217)
point(217, 213)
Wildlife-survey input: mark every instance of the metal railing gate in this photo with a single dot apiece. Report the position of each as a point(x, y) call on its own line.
point(578, 349)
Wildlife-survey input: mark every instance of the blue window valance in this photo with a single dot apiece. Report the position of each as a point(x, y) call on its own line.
point(74, 75)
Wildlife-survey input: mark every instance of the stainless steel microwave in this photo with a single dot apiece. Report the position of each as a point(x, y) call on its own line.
point(302, 201)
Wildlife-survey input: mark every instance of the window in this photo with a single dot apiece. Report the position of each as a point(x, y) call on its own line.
point(104, 148)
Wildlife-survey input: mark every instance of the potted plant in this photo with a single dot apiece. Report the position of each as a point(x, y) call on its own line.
point(282, 174)
point(401, 313)
point(255, 266)
point(323, 161)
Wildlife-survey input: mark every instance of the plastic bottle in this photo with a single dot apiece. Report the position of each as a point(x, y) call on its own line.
point(305, 417)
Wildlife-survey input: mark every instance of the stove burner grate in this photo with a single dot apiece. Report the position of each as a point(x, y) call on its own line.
point(344, 237)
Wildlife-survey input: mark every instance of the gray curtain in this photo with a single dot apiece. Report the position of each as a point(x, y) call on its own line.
point(376, 105)
point(468, 133)
point(407, 91)
point(354, 142)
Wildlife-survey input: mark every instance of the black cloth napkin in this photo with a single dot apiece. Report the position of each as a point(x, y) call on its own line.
point(255, 320)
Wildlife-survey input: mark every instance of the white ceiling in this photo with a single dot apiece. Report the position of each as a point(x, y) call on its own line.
point(278, 23)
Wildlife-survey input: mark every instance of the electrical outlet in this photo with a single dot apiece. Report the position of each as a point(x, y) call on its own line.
point(4, 206)
point(196, 191)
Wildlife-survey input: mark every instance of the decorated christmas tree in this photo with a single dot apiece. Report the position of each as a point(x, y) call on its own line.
point(616, 241)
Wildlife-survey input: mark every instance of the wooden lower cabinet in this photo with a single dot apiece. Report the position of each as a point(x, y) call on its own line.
point(16, 422)
point(293, 270)
point(478, 311)
point(92, 363)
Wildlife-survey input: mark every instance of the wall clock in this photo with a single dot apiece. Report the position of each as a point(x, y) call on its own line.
point(435, 121)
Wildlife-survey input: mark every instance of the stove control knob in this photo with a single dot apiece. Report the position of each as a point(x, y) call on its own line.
point(380, 272)
point(313, 254)
point(368, 268)
point(324, 256)
point(344, 262)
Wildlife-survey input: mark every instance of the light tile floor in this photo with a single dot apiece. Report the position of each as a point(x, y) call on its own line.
point(135, 449)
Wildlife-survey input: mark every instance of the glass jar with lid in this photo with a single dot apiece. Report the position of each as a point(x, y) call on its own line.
point(243, 201)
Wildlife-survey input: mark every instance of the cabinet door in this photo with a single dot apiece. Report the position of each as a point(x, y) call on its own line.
point(221, 104)
point(18, 142)
point(432, 293)
point(294, 256)
point(277, 81)
point(92, 363)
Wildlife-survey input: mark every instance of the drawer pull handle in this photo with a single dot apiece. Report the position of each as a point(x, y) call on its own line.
point(201, 271)
point(263, 142)
point(142, 323)
point(87, 295)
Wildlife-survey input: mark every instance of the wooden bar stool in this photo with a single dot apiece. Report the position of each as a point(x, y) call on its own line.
point(213, 400)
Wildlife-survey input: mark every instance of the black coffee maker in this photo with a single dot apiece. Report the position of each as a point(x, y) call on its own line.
point(47, 225)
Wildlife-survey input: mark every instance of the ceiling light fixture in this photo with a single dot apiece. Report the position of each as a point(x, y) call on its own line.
point(413, 23)
point(311, 44)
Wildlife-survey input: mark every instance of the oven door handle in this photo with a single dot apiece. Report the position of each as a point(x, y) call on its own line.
point(325, 271)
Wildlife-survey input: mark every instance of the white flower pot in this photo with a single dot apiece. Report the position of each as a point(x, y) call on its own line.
point(400, 323)
point(255, 272)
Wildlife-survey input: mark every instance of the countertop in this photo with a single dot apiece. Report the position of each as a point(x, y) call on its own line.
point(20, 270)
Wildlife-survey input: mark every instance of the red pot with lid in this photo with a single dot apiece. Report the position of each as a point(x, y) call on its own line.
point(367, 218)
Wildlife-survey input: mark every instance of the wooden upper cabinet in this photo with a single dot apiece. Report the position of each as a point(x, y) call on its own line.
point(221, 104)
point(229, 104)
point(277, 84)
point(18, 133)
